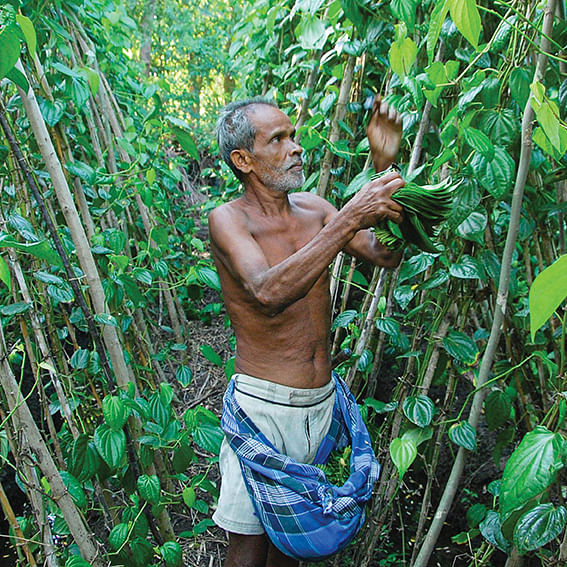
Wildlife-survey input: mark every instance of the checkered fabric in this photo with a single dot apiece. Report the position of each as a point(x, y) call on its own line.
point(304, 515)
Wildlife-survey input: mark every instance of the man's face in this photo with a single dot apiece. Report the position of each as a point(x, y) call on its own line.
point(276, 157)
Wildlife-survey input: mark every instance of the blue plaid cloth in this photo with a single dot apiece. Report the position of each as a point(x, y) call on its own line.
point(304, 515)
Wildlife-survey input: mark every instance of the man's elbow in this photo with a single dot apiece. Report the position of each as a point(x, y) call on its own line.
point(268, 304)
point(390, 259)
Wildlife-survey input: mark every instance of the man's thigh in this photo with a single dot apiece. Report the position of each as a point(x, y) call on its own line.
point(255, 551)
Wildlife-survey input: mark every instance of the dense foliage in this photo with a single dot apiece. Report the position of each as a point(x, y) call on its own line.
point(108, 171)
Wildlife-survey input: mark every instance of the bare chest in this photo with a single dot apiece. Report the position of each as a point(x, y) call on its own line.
point(281, 238)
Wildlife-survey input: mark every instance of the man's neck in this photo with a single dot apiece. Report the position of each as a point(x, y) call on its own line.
point(269, 201)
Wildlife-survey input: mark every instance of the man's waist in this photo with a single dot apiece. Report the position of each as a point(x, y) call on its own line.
point(281, 394)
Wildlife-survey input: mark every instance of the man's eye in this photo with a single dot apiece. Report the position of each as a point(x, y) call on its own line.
point(276, 138)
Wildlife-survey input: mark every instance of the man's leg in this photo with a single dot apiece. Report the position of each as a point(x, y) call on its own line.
point(247, 550)
point(278, 559)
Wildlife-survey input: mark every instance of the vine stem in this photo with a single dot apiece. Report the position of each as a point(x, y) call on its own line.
point(448, 496)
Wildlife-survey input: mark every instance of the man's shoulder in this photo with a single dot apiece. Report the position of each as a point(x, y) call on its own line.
point(227, 216)
point(310, 200)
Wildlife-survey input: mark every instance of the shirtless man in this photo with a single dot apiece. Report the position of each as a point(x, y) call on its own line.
point(272, 249)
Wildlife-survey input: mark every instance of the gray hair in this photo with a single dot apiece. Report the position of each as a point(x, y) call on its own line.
point(235, 131)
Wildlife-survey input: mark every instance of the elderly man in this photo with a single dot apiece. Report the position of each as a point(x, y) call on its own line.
point(272, 248)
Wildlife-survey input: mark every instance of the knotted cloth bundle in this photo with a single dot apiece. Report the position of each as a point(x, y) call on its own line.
point(304, 515)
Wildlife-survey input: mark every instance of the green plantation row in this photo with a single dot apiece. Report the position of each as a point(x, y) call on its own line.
point(108, 170)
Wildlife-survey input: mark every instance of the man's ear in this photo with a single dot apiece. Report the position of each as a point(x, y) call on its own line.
point(241, 160)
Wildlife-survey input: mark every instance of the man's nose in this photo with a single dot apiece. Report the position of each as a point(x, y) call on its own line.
point(296, 149)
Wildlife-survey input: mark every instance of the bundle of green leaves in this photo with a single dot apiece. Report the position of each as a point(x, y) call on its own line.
point(425, 208)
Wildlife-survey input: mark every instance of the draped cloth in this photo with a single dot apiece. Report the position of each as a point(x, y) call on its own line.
point(305, 516)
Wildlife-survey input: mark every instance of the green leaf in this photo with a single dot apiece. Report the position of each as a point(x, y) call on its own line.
point(436, 20)
point(461, 347)
point(207, 276)
point(497, 409)
point(463, 434)
point(402, 56)
point(172, 554)
point(491, 530)
point(5, 274)
point(18, 78)
point(183, 457)
point(209, 353)
point(149, 488)
point(495, 175)
point(466, 16)
point(110, 444)
point(520, 79)
point(77, 561)
point(547, 292)
point(539, 526)
point(10, 45)
point(115, 412)
point(84, 461)
point(184, 375)
point(405, 10)
point(344, 319)
point(415, 265)
point(208, 436)
point(41, 250)
point(186, 142)
point(80, 359)
point(472, 228)
point(419, 410)
point(403, 453)
point(78, 89)
point(15, 308)
point(74, 489)
point(106, 319)
point(467, 268)
point(531, 468)
point(189, 496)
point(27, 28)
point(311, 33)
point(479, 141)
point(118, 536)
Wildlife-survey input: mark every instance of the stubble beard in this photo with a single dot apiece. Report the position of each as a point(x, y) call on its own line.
point(283, 179)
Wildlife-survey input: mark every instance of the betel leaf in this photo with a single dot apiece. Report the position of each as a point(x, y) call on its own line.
point(186, 142)
point(497, 409)
point(80, 359)
point(207, 276)
point(520, 79)
point(479, 141)
point(547, 292)
point(531, 468)
point(77, 561)
point(491, 530)
point(494, 175)
point(419, 410)
point(403, 453)
point(18, 78)
point(461, 347)
point(5, 274)
point(172, 554)
point(311, 32)
point(10, 43)
point(118, 536)
point(41, 249)
point(463, 434)
point(184, 375)
point(15, 308)
point(466, 16)
point(415, 265)
point(402, 56)
point(436, 20)
point(539, 526)
point(405, 10)
point(472, 228)
point(28, 30)
point(110, 444)
point(343, 319)
point(467, 268)
point(74, 489)
point(149, 488)
point(115, 412)
point(210, 354)
point(207, 432)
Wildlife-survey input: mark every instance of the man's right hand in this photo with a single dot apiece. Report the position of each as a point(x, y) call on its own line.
point(374, 203)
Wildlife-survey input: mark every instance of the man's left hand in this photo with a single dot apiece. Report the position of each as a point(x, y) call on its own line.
point(384, 134)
